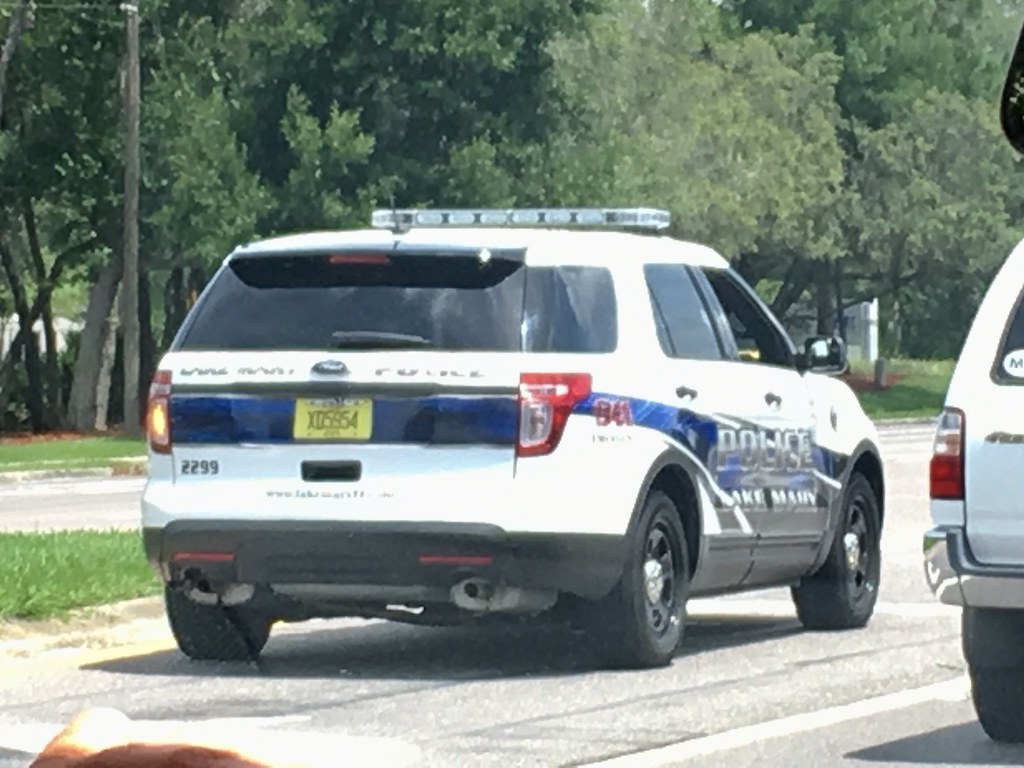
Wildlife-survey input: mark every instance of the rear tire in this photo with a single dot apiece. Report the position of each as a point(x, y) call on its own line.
point(843, 592)
point(205, 633)
point(992, 645)
point(640, 624)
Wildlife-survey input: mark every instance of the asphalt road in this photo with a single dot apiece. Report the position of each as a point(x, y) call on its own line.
point(748, 687)
point(64, 504)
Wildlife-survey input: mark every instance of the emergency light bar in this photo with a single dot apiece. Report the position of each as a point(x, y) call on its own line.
point(634, 218)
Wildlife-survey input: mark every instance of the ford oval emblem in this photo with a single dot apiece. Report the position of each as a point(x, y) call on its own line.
point(330, 367)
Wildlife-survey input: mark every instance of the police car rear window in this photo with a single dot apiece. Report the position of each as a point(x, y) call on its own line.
point(447, 302)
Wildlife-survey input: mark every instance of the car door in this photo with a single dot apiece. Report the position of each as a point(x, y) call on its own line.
point(690, 382)
point(769, 460)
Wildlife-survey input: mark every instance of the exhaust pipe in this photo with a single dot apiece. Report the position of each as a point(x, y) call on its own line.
point(481, 596)
point(199, 590)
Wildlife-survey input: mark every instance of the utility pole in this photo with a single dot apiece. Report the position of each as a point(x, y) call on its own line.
point(130, 278)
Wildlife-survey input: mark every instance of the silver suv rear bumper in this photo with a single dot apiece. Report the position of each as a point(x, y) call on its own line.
point(957, 578)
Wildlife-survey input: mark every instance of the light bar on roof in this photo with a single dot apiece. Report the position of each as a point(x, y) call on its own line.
point(623, 218)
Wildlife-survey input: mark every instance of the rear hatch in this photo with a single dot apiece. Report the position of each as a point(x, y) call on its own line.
point(385, 379)
point(993, 464)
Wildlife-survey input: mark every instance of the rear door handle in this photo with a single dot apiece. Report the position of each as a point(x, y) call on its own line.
point(772, 399)
point(685, 392)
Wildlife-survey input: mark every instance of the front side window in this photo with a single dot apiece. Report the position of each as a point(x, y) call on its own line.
point(758, 339)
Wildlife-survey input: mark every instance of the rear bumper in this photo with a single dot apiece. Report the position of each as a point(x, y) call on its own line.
point(385, 555)
point(957, 578)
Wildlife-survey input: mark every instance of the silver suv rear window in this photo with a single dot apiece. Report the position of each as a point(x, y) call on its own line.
point(447, 302)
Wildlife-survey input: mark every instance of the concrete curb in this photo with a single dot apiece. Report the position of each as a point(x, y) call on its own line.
point(128, 467)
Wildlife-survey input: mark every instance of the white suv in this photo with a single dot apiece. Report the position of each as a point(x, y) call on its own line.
point(974, 552)
point(464, 413)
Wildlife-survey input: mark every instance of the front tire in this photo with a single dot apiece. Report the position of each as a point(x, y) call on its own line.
point(206, 633)
point(842, 594)
point(992, 645)
point(640, 624)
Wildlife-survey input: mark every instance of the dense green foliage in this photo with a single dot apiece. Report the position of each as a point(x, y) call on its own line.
point(834, 151)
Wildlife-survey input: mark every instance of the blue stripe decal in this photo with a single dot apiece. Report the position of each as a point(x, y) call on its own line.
point(428, 420)
point(697, 433)
point(736, 468)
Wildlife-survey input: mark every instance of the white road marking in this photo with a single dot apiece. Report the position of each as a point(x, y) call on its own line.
point(784, 609)
point(951, 690)
point(133, 485)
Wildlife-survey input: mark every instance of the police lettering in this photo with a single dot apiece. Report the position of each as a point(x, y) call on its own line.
point(775, 498)
point(784, 498)
point(443, 373)
point(760, 449)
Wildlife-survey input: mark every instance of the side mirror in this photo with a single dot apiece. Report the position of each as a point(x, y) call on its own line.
point(825, 354)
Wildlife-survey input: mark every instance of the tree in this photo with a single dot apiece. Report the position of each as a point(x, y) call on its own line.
point(935, 190)
point(735, 135)
point(56, 198)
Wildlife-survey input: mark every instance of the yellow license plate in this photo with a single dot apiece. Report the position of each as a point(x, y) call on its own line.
point(333, 419)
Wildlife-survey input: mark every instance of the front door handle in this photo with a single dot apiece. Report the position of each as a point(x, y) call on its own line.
point(685, 392)
point(772, 399)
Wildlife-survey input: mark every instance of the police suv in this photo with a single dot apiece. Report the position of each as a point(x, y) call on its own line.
point(464, 413)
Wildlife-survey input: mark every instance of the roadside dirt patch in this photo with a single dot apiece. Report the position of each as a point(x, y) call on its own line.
point(865, 382)
point(98, 627)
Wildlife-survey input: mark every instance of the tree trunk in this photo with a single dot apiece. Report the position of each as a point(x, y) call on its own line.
point(42, 296)
point(798, 276)
point(132, 412)
point(746, 266)
point(21, 19)
point(196, 282)
point(82, 405)
point(823, 299)
point(107, 357)
point(837, 276)
point(174, 305)
point(146, 351)
point(895, 284)
point(53, 388)
point(36, 406)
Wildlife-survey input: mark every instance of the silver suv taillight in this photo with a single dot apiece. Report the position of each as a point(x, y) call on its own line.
point(946, 473)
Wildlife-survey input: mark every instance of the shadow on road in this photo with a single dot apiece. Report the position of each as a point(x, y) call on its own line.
point(964, 744)
point(390, 651)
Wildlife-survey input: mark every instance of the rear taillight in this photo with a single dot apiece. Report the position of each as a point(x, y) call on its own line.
point(545, 402)
point(158, 413)
point(947, 466)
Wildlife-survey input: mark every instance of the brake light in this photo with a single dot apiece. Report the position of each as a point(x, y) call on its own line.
point(358, 258)
point(947, 466)
point(158, 413)
point(545, 402)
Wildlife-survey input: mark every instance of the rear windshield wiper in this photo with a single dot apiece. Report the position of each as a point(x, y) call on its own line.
point(378, 339)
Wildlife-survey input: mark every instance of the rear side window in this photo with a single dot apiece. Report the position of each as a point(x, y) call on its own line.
point(569, 309)
point(444, 302)
point(1009, 365)
point(680, 315)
